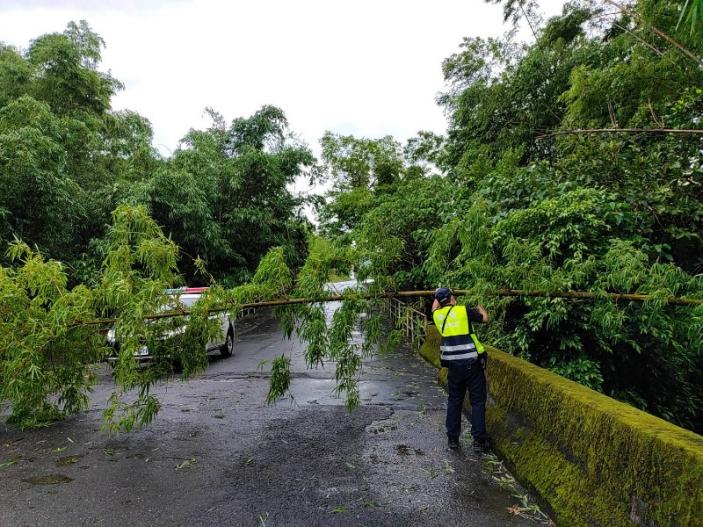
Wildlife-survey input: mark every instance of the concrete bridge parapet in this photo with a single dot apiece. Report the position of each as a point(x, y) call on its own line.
point(593, 460)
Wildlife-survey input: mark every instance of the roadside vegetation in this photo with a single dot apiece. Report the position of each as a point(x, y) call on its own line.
point(537, 185)
point(67, 161)
point(518, 196)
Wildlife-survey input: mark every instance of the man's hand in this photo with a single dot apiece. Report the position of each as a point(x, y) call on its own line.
point(483, 312)
point(436, 304)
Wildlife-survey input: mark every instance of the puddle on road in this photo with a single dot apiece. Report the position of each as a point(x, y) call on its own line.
point(49, 479)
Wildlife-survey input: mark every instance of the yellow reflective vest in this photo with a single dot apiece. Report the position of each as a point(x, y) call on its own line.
point(459, 344)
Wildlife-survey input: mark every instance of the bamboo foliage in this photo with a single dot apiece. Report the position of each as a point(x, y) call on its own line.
point(47, 361)
point(692, 13)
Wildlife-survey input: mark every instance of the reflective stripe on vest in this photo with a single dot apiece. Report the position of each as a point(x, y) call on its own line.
point(456, 343)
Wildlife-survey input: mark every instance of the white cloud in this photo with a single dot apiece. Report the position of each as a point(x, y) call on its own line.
point(365, 67)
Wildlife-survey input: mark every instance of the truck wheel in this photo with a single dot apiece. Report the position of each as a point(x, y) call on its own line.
point(227, 349)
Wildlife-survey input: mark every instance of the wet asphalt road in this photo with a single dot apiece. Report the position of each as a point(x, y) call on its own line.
point(216, 455)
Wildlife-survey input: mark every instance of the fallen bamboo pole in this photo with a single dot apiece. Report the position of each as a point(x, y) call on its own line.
point(583, 295)
point(592, 131)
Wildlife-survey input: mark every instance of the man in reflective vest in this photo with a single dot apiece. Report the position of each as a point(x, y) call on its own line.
point(465, 359)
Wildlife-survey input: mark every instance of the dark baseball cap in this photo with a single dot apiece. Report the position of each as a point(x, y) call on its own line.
point(443, 294)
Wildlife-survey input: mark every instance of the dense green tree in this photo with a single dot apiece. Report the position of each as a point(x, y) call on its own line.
point(62, 151)
point(224, 195)
point(361, 168)
point(360, 162)
point(67, 160)
point(66, 75)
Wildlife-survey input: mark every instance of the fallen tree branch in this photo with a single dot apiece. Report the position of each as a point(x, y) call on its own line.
point(584, 295)
point(585, 131)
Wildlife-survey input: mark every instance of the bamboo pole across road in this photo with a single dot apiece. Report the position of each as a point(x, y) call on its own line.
point(648, 131)
point(583, 295)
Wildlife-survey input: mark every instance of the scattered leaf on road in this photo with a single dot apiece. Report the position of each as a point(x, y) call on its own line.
point(350, 466)
point(403, 450)
point(6, 464)
point(339, 509)
point(68, 460)
point(186, 464)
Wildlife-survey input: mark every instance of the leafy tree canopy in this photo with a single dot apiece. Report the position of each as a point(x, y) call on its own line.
point(518, 207)
point(224, 195)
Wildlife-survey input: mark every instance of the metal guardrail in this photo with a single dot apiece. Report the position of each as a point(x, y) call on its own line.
point(248, 311)
point(409, 317)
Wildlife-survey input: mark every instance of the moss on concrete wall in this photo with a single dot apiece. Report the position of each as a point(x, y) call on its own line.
point(595, 461)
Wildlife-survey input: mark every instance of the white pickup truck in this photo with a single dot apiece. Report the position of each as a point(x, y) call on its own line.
point(188, 296)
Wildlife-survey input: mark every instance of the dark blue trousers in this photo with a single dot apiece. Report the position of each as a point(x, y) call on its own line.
point(459, 379)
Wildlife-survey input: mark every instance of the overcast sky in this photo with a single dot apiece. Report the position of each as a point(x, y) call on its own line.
point(368, 68)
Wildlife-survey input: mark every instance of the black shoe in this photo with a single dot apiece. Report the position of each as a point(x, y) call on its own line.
point(481, 447)
point(453, 443)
